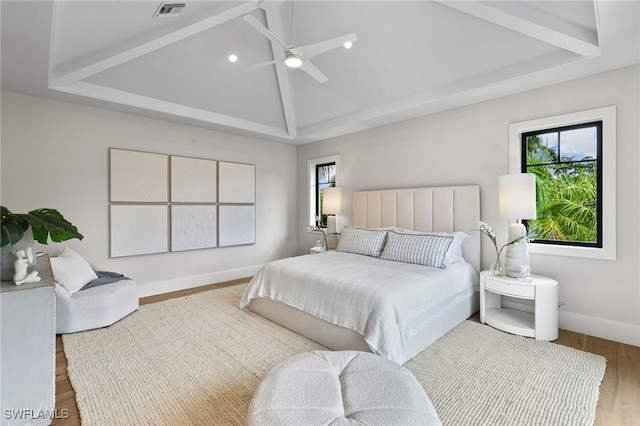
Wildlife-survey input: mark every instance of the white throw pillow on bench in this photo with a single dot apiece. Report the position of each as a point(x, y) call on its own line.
point(71, 271)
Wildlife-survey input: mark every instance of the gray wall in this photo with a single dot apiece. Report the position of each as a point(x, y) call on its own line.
point(55, 154)
point(470, 146)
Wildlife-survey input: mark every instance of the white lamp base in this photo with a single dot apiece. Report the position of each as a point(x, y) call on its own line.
point(331, 224)
point(332, 239)
point(516, 255)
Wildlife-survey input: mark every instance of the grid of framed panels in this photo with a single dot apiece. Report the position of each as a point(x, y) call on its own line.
point(161, 203)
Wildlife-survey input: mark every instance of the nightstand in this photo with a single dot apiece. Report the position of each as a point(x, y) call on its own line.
point(542, 324)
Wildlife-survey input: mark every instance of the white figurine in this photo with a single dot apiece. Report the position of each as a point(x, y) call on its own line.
point(23, 258)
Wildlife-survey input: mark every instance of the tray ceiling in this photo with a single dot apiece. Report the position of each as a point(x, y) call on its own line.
point(412, 58)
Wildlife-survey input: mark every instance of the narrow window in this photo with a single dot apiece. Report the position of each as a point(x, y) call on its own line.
point(325, 177)
point(567, 162)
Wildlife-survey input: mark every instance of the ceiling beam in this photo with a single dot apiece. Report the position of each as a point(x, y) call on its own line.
point(274, 23)
point(152, 104)
point(532, 22)
point(146, 43)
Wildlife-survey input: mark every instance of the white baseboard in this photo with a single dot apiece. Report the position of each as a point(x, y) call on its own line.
point(183, 283)
point(600, 327)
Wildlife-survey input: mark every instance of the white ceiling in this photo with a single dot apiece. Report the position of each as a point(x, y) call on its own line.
point(412, 58)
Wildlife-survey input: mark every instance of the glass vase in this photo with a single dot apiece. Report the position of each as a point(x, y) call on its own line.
point(497, 269)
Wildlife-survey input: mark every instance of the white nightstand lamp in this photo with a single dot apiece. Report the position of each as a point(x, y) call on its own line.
point(516, 200)
point(331, 206)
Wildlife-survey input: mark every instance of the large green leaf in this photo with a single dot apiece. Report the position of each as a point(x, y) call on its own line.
point(12, 231)
point(45, 223)
point(50, 223)
point(12, 227)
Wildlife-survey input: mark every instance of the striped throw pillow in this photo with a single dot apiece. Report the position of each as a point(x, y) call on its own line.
point(422, 249)
point(362, 241)
point(454, 254)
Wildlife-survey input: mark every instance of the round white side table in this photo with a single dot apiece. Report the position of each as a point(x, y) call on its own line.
point(541, 324)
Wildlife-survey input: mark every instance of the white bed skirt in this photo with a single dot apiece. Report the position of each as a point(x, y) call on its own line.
point(340, 338)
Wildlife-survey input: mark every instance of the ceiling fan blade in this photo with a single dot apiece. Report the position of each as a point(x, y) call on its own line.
point(265, 32)
point(314, 72)
point(260, 65)
point(311, 50)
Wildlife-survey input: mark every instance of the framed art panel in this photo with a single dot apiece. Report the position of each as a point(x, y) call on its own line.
point(193, 227)
point(237, 225)
point(193, 180)
point(237, 183)
point(138, 229)
point(138, 176)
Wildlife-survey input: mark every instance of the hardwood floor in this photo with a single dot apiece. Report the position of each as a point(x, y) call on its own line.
point(619, 402)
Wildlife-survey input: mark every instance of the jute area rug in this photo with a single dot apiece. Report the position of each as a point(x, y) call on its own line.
point(197, 361)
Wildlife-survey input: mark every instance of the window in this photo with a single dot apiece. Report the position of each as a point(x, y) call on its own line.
point(567, 162)
point(573, 158)
point(325, 177)
point(322, 173)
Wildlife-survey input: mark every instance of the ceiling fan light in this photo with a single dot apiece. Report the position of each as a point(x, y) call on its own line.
point(293, 61)
point(348, 45)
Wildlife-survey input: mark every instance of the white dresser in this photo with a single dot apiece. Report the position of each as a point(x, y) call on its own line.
point(28, 350)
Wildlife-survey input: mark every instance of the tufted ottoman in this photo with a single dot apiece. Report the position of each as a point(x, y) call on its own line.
point(339, 388)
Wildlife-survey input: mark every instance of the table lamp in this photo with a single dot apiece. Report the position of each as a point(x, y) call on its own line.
point(516, 201)
point(331, 205)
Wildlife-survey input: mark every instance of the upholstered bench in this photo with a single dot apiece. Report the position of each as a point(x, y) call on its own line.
point(94, 307)
point(86, 300)
point(337, 388)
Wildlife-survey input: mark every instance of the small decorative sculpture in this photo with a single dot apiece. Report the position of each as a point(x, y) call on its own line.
point(23, 258)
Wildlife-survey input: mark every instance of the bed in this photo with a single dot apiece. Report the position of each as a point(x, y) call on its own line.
point(346, 300)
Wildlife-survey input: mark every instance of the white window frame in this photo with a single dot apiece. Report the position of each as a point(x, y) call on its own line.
point(608, 117)
point(311, 184)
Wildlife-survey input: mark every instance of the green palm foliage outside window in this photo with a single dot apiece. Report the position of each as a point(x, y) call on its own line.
point(567, 164)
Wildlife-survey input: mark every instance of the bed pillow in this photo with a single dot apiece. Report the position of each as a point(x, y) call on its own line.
point(422, 249)
point(368, 242)
point(71, 271)
point(454, 254)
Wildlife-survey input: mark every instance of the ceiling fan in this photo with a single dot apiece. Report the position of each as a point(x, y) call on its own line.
point(299, 56)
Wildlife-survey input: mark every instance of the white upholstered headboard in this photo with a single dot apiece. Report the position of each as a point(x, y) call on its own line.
point(437, 209)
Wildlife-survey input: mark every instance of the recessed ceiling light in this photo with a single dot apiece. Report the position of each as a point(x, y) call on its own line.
point(233, 58)
point(348, 45)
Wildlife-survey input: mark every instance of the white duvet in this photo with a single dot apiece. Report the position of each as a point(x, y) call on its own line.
point(386, 302)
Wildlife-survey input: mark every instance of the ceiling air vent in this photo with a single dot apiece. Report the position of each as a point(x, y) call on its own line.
point(166, 10)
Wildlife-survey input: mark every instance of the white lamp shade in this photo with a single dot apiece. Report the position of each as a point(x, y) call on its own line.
point(517, 196)
point(331, 200)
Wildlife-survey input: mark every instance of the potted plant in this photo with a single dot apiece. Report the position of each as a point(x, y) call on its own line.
point(44, 223)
